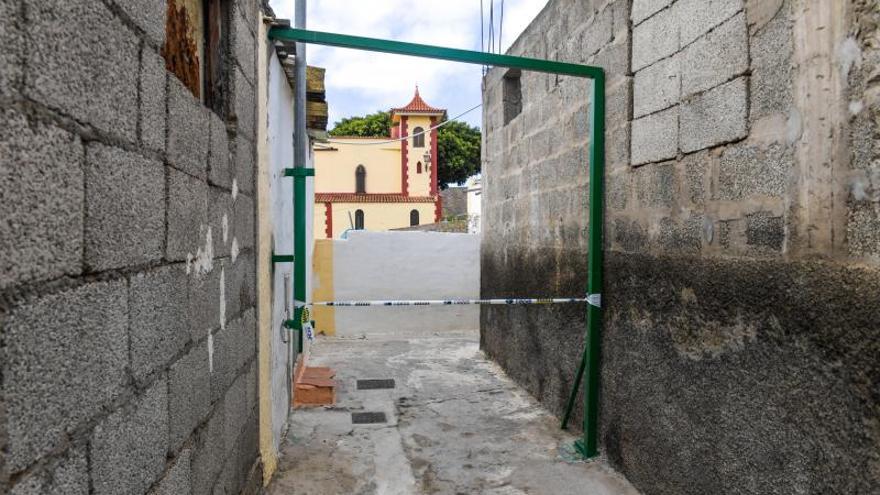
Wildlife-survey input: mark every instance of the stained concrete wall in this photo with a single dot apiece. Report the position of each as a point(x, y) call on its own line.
point(405, 265)
point(127, 325)
point(280, 112)
point(279, 221)
point(742, 290)
point(454, 199)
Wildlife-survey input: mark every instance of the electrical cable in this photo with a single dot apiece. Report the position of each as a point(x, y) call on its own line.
point(441, 124)
point(482, 36)
point(482, 23)
point(501, 27)
point(492, 26)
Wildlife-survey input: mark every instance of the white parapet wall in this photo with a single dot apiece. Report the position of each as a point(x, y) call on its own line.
point(404, 265)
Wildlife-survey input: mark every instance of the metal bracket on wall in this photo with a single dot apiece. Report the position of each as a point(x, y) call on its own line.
point(282, 258)
point(299, 172)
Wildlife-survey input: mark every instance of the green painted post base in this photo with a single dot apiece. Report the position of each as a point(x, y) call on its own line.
point(582, 450)
point(297, 321)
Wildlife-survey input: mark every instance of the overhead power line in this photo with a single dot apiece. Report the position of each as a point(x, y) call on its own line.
point(492, 26)
point(501, 27)
point(482, 23)
point(404, 138)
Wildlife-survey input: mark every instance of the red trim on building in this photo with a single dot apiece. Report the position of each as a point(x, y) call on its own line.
point(404, 172)
point(438, 208)
point(434, 158)
point(361, 138)
point(328, 219)
point(370, 198)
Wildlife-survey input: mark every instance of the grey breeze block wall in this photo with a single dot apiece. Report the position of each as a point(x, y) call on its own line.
point(742, 293)
point(127, 324)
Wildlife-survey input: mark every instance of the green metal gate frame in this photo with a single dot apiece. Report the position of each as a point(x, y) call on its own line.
point(588, 446)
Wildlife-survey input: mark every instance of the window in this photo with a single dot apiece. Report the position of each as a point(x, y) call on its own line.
point(419, 167)
point(195, 43)
point(413, 218)
point(360, 180)
point(214, 40)
point(418, 138)
point(511, 95)
point(359, 220)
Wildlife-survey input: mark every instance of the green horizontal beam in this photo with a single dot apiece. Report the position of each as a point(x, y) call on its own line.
point(299, 172)
point(438, 52)
point(282, 258)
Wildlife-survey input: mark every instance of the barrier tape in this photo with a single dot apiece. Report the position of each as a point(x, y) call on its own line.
point(456, 302)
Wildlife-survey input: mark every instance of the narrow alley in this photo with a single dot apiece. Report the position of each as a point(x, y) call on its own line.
point(332, 247)
point(455, 423)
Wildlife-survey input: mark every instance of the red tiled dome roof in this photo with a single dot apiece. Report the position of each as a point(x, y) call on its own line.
point(417, 105)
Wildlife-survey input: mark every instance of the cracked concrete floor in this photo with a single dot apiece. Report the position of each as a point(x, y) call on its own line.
point(456, 424)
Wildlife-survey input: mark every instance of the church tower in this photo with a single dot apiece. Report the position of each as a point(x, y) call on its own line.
point(418, 153)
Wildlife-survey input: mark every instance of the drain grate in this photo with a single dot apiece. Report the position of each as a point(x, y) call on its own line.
point(375, 384)
point(365, 418)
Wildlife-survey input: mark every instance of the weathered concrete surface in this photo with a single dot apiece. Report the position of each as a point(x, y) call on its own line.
point(741, 277)
point(456, 424)
point(767, 370)
point(117, 365)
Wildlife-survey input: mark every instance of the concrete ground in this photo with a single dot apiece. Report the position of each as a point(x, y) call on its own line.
point(455, 425)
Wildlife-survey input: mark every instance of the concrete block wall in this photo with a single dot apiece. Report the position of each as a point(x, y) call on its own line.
point(127, 327)
point(535, 207)
point(742, 274)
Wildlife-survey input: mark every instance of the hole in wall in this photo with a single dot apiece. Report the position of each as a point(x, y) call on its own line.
point(511, 94)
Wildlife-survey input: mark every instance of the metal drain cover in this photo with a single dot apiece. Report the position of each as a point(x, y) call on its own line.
point(364, 418)
point(375, 384)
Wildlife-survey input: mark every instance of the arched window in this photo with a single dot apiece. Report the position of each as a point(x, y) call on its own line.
point(413, 218)
point(359, 220)
point(418, 167)
point(360, 180)
point(418, 138)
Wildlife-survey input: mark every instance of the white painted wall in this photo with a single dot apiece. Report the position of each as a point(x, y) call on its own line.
point(406, 265)
point(280, 144)
point(474, 208)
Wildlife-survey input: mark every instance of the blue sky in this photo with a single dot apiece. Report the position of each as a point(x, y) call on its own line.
point(363, 82)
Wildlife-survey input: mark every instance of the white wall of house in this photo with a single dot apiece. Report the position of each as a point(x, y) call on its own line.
point(474, 210)
point(406, 265)
point(280, 144)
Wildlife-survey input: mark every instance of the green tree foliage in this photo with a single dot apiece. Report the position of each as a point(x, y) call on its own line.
point(458, 147)
point(458, 144)
point(374, 124)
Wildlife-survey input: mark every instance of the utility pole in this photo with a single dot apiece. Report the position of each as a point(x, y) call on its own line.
point(300, 152)
point(300, 157)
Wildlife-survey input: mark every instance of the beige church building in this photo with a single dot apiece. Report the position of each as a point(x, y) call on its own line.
point(380, 183)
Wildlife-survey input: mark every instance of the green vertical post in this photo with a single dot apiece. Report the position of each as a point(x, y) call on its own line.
point(588, 446)
point(299, 253)
point(299, 175)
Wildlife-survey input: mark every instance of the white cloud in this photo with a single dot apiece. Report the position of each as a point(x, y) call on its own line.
point(359, 82)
